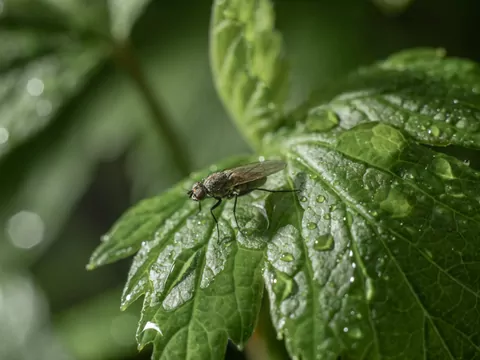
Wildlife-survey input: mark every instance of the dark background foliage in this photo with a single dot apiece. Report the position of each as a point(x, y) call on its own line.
point(86, 177)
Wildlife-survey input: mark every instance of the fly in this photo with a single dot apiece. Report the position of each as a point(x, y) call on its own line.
point(235, 182)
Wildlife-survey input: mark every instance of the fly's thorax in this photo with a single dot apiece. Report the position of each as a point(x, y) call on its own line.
point(218, 184)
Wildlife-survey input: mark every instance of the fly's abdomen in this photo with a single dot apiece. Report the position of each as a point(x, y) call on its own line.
point(244, 189)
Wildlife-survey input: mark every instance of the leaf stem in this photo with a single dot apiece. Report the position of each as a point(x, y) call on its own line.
point(126, 57)
point(264, 343)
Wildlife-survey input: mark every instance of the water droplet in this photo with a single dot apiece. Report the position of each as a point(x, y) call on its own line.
point(283, 285)
point(345, 329)
point(26, 229)
point(435, 131)
point(461, 124)
point(352, 279)
point(35, 87)
point(4, 135)
point(303, 199)
point(261, 158)
point(355, 333)
point(287, 257)
point(327, 216)
point(443, 168)
point(320, 198)
point(323, 243)
point(319, 120)
point(152, 326)
point(369, 289)
point(311, 226)
point(396, 204)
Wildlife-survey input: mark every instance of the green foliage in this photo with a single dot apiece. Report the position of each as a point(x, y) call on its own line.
point(378, 255)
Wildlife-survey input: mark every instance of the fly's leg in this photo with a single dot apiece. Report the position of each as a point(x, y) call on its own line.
point(219, 201)
point(277, 191)
point(199, 206)
point(235, 214)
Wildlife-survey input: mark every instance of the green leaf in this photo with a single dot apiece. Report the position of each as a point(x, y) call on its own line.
point(435, 99)
point(123, 15)
point(199, 290)
point(39, 74)
point(385, 247)
point(378, 255)
point(247, 61)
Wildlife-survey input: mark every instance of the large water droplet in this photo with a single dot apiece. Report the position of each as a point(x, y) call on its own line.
point(369, 289)
point(443, 168)
point(320, 120)
point(26, 229)
point(396, 204)
point(311, 226)
point(323, 243)
point(152, 326)
point(355, 333)
point(434, 130)
point(283, 285)
point(320, 198)
point(287, 257)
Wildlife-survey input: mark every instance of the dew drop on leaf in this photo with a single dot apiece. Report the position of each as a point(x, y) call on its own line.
point(355, 333)
point(369, 289)
point(287, 257)
point(320, 198)
point(303, 199)
point(320, 120)
point(327, 216)
point(323, 243)
point(311, 226)
point(434, 130)
point(283, 285)
point(443, 168)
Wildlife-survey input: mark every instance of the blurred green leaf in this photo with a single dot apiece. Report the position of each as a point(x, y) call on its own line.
point(56, 173)
point(39, 74)
point(123, 15)
point(99, 323)
point(393, 7)
point(24, 328)
point(247, 61)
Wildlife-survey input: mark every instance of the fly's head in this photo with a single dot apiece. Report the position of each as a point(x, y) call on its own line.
point(198, 192)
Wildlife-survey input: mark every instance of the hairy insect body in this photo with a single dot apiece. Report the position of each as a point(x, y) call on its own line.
point(222, 185)
point(232, 183)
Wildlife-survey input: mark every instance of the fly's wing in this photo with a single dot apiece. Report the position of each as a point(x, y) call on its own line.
point(254, 171)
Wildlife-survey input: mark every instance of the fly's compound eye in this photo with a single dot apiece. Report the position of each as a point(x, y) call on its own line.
point(198, 192)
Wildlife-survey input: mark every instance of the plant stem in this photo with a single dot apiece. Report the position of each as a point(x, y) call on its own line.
point(125, 55)
point(264, 343)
